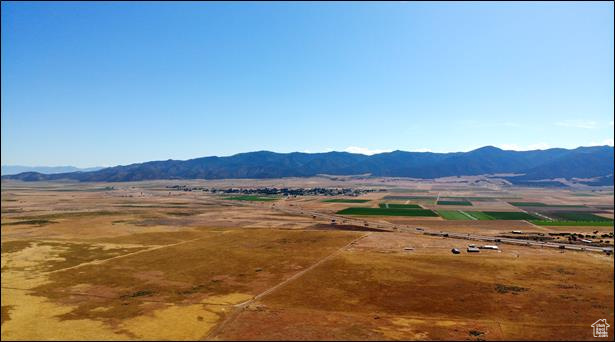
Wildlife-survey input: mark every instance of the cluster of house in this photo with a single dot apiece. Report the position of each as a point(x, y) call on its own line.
point(475, 249)
point(277, 191)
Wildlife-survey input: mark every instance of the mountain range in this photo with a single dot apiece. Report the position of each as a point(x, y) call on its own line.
point(592, 164)
point(16, 169)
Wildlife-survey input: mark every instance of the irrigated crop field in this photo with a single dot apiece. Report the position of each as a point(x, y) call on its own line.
point(454, 215)
point(399, 206)
point(572, 216)
point(145, 261)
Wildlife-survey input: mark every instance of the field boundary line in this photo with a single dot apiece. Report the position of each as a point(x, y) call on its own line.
point(536, 226)
point(98, 262)
point(468, 215)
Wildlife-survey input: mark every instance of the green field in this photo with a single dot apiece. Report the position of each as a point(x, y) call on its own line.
point(454, 203)
point(387, 212)
point(568, 216)
point(479, 215)
point(345, 200)
point(573, 223)
point(567, 219)
point(399, 206)
point(507, 215)
point(452, 215)
point(540, 204)
point(482, 199)
point(251, 198)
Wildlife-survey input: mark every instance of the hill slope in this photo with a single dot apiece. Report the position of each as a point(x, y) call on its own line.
point(583, 162)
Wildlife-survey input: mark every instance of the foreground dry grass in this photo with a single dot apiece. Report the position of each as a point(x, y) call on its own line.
point(141, 263)
point(380, 292)
point(176, 291)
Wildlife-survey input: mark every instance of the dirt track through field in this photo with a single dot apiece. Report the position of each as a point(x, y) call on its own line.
point(241, 306)
point(98, 262)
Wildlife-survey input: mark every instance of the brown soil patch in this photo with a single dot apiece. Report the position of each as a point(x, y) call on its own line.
point(347, 227)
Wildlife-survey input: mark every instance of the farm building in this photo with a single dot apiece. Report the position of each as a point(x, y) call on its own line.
point(490, 247)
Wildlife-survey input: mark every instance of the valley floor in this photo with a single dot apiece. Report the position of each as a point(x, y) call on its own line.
point(137, 261)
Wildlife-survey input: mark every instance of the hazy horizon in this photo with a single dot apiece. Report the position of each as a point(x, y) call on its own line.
point(188, 80)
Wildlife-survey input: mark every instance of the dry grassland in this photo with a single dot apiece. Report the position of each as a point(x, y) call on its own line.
point(138, 261)
point(384, 293)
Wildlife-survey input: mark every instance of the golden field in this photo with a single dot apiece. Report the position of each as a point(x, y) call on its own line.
point(139, 261)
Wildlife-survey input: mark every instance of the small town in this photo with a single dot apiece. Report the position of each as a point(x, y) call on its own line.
point(279, 191)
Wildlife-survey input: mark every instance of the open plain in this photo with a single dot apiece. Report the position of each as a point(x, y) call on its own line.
point(177, 260)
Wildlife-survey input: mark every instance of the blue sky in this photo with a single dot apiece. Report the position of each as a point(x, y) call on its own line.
point(89, 84)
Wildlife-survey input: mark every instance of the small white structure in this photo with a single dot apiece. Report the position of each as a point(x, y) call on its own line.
point(473, 250)
point(585, 240)
point(517, 232)
point(491, 247)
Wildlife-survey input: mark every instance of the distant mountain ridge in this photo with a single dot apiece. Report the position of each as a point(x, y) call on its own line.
point(17, 169)
point(582, 162)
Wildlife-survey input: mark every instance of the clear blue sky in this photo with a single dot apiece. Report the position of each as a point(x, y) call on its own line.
point(89, 84)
